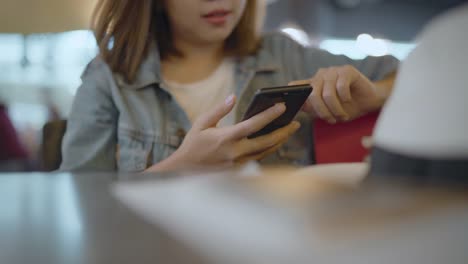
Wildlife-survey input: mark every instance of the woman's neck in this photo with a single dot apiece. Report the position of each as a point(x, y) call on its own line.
point(197, 63)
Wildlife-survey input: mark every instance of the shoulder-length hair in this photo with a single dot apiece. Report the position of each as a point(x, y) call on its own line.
point(125, 30)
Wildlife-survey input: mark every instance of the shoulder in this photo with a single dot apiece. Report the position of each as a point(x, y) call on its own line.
point(97, 82)
point(99, 79)
point(282, 46)
point(97, 68)
point(279, 42)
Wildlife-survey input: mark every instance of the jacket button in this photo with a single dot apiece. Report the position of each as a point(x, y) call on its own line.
point(282, 152)
point(181, 133)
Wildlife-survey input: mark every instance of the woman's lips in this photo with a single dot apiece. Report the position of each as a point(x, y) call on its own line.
point(217, 17)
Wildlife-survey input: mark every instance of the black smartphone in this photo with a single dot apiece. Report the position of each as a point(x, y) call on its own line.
point(292, 96)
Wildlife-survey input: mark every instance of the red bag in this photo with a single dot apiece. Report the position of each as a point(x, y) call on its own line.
point(342, 142)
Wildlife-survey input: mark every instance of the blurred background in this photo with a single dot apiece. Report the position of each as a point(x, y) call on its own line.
point(45, 45)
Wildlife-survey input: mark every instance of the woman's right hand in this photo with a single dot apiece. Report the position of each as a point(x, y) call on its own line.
point(207, 145)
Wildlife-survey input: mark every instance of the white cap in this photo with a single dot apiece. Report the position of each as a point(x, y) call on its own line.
point(427, 114)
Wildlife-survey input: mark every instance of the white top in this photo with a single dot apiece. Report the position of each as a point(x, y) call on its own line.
point(427, 114)
point(200, 97)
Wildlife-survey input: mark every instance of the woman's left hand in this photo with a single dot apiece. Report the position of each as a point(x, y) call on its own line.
point(341, 94)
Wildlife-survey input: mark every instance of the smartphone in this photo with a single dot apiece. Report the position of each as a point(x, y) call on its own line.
point(292, 96)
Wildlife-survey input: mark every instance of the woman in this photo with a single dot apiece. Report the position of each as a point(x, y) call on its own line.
point(162, 93)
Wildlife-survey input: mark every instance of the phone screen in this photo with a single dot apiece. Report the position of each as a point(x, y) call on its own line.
point(292, 96)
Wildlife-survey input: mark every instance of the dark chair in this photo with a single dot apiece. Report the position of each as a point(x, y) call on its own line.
point(51, 148)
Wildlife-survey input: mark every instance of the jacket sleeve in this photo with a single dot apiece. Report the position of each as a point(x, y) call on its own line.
point(90, 140)
point(303, 62)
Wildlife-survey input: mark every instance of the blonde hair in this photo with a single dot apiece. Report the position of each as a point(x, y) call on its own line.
point(126, 29)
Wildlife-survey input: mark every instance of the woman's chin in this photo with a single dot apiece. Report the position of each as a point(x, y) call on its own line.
point(217, 35)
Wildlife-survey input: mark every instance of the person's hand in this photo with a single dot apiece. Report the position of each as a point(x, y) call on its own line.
point(206, 145)
point(341, 94)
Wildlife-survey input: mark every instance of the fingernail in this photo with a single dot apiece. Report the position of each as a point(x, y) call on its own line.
point(280, 107)
point(229, 99)
point(297, 125)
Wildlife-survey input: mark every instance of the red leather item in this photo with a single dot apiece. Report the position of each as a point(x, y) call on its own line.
point(342, 142)
point(10, 146)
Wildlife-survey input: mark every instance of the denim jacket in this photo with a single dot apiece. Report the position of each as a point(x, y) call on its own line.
point(148, 125)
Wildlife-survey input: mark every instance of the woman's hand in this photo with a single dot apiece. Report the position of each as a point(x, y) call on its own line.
point(342, 94)
point(207, 145)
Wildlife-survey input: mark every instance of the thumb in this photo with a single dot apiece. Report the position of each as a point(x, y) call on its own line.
point(211, 118)
point(308, 108)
